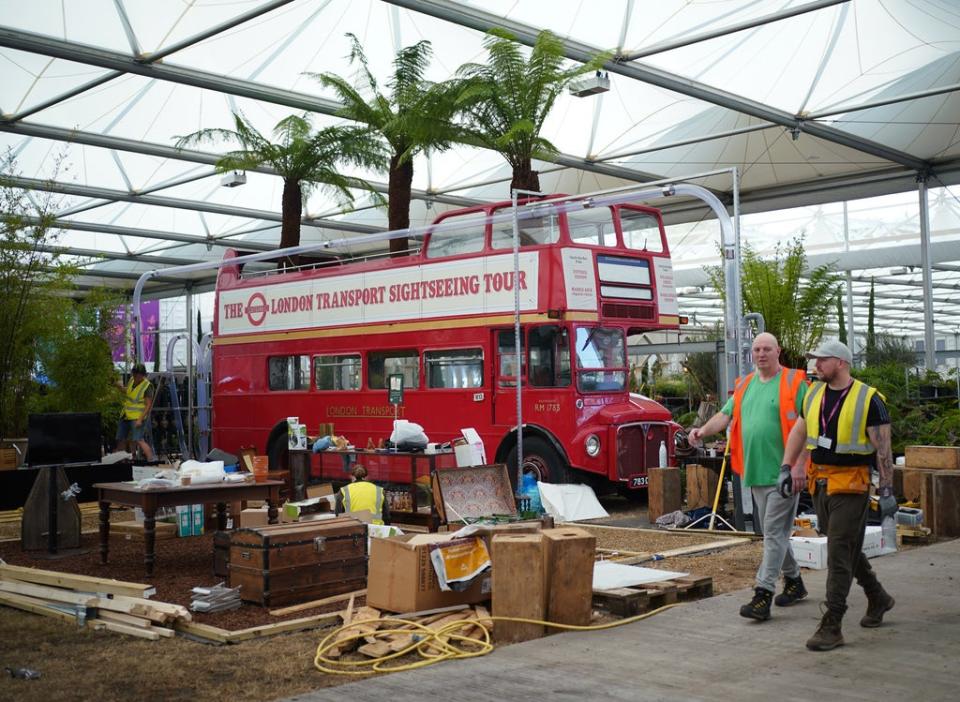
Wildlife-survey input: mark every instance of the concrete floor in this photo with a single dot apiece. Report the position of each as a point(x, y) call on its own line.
point(705, 651)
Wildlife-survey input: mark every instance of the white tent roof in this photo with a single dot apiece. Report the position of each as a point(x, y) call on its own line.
point(812, 101)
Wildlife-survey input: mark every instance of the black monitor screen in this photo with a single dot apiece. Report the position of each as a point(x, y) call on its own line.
point(63, 437)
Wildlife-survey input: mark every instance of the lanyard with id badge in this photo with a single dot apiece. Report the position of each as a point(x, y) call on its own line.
point(823, 441)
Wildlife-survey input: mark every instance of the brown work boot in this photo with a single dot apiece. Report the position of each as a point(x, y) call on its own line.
point(878, 604)
point(828, 635)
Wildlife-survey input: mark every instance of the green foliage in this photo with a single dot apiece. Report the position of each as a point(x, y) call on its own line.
point(686, 419)
point(841, 324)
point(43, 331)
point(796, 303)
point(671, 386)
point(304, 158)
point(77, 359)
point(506, 100)
point(888, 349)
point(415, 116)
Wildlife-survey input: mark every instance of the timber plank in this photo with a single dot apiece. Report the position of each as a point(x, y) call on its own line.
point(301, 624)
point(35, 606)
point(318, 603)
point(77, 582)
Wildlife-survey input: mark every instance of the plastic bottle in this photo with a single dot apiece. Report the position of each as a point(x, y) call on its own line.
point(663, 454)
point(888, 535)
point(531, 492)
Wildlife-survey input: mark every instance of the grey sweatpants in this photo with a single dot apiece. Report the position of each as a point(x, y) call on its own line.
point(776, 516)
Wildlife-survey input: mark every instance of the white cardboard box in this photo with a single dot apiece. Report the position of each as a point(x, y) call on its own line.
point(472, 453)
point(811, 552)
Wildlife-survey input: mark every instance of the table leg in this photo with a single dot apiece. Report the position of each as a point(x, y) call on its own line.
point(272, 501)
point(149, 538)
point(222, 516)
point(104, 530)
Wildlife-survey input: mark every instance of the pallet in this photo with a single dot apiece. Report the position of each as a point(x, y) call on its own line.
point(912, 535)
point(630, 601)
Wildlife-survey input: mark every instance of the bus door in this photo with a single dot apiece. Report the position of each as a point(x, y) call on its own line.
point(505, 375)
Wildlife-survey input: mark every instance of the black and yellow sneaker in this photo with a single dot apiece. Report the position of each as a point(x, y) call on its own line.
point(793, 592)
point(759, 607)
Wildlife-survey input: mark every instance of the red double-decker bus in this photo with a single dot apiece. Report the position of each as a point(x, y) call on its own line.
point(321, 342)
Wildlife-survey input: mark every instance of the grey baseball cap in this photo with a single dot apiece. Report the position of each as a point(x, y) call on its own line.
point(832, 348)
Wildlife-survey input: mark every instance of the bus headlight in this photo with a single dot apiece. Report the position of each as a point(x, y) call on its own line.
point(592, 445)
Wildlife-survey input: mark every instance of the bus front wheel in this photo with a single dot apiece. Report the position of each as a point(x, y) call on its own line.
point(540, 459)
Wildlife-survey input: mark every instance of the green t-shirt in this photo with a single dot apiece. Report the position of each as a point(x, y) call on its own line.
point(760, 428)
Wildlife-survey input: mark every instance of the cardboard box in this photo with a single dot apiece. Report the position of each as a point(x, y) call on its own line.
point(401, 577)
point(811, 551)
point(197, 512)
point(251, 517)
point(184, 520)
point(470, 452)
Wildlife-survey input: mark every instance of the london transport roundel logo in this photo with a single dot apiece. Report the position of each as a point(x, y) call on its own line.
point(256, 309)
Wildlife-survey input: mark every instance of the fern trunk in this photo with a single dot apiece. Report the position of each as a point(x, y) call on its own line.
point(398, 210)
point(524, 177)
point(292, 207)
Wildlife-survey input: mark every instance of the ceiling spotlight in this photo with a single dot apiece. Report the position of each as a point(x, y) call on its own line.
point(590, 85)
point(233, 179)
point(795, 132)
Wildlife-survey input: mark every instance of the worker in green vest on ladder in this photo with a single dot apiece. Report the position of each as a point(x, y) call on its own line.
point(137, 402)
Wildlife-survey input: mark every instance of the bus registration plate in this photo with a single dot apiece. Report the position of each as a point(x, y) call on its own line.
point(639, 481)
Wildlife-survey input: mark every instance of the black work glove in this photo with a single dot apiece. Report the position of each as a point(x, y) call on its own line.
point(785, 482)
point(888, 503)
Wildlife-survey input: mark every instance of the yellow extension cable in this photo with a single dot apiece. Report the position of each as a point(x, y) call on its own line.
point(433, 645)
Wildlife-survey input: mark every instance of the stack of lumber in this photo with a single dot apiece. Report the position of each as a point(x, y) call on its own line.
point(97, 603)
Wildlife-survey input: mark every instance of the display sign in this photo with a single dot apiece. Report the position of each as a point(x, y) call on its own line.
point(396, 388)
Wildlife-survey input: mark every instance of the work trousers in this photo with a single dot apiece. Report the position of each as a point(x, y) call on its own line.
point(775, 515)
point(843, 518)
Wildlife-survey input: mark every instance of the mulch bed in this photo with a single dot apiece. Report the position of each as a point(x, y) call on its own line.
point(181, 565)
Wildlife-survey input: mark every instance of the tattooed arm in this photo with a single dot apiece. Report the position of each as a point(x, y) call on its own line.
point(880, 438)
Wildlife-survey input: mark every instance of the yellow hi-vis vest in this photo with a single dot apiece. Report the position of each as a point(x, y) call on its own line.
point(852, 423)
point(135, 401)
point(362, 495)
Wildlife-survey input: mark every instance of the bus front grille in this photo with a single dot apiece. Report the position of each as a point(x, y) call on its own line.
point(638, 447)
point(625, 311)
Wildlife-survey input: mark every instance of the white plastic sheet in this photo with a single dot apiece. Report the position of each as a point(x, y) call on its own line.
point(570, 503)
point(608, 575)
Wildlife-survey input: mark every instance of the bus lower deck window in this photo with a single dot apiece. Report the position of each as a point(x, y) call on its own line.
point(381, 364)
point(337, 372)
point(289, 372)
point(454, 368)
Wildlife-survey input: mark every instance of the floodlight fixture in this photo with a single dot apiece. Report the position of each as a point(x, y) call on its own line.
point(233, 179)
point(590, 85)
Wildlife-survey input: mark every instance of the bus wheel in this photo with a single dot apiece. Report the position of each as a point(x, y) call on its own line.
point(540, 459)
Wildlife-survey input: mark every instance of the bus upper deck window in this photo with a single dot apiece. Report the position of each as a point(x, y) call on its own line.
point(593, 226)
point(641, 231)
point(457, 235)
point(534, 231)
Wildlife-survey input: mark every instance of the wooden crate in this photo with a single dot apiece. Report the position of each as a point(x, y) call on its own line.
point(519, 585)
point(939, 457)
point(913, 481)
point(940, 502)
point(569, 562)
point(701, 486)
point(133, 531)
point(292, 563)
point(663, 491)
point(8, 459)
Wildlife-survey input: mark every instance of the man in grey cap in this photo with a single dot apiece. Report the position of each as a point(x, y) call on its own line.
point(137, 401)
point(843, 424)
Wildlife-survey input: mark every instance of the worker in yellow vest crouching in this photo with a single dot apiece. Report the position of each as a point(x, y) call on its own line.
point(363, 496)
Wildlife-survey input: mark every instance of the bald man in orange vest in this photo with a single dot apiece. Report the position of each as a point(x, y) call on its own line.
point(764, 407)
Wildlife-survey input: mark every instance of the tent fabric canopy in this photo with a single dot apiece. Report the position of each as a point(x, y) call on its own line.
point(812, 101)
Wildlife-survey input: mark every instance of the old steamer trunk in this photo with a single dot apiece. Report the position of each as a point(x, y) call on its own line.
point(291, 563)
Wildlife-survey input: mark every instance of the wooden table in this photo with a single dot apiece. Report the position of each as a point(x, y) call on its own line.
point(385, 468)
point(151, 500)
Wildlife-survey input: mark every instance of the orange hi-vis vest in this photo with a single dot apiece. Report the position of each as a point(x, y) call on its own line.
point(790, 381)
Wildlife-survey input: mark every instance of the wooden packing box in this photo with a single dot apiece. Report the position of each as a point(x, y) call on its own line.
point(940, 501)
point(520, 587)
point(133, 531)
point(8, 459)
point(292, 563)
point(701, 485)
point(663, 492)
point(941, 457)
point(570, 553)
